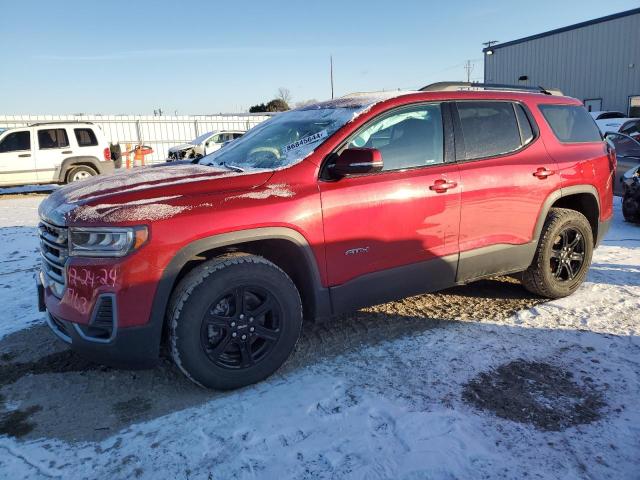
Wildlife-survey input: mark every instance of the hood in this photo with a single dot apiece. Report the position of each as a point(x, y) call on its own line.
point(184, 146)
point(145, 185)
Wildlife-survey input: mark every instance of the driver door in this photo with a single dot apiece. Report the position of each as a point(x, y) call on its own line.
point(17, 162)
point(394, 233)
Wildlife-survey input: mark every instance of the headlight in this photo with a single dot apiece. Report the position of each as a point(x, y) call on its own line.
point(105, 241)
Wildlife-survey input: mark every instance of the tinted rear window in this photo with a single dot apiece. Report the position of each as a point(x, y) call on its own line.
point(571, 123)
point(85, 137)
point(489, 128)
point(52, 138)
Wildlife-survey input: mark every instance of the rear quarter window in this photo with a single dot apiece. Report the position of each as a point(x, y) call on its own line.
point(85, 137)
point(571, 123)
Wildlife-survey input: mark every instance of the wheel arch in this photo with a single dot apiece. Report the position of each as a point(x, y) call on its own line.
point(581, 198)
point(70, 162)
point(285, 247)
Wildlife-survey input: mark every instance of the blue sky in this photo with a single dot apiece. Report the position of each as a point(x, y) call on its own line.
point(201, 57)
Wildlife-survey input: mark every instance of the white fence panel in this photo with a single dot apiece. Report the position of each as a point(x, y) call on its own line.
point(159, 133)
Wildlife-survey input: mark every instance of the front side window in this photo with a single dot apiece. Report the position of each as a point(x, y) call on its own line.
point(489, 128)
point(15, 142)
point(408, 138)
point(52, 138)
point(85, 137)
point(571, 123)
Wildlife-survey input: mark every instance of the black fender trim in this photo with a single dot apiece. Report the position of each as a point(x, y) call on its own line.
point(320, 299)
point(94, 162)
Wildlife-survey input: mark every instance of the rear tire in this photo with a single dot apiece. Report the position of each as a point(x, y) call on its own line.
point(81, 172)
point(631, 207)
point(563, 255)
point(233, 321)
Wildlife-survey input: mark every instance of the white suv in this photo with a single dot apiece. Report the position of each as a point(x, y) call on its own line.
point(53, 153)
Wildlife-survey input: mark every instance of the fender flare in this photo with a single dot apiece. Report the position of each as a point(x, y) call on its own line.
point(321, 304)
point(70, 162)
point(558, 194)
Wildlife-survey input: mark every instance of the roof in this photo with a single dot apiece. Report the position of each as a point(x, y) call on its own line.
point(595, 21)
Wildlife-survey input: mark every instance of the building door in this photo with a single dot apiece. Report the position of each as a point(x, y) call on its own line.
point(634, 106)
point(593, 104)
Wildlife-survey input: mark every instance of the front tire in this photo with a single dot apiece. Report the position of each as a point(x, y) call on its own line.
point(233, 321)
point(563, 255)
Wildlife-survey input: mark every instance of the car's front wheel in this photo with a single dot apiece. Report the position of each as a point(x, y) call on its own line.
point(233, 321)
point(563, 255)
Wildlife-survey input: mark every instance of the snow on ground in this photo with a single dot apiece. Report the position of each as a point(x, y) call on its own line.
point(406, 390)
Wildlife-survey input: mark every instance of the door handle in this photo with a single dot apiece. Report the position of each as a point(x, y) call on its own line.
point(22, 155)
point(67, 151)
point(441, 185)
point(543, 173)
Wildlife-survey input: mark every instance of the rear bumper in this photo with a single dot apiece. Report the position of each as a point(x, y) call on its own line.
point(106, 167)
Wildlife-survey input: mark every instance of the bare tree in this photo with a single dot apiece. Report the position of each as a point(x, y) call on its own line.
point(284, 94)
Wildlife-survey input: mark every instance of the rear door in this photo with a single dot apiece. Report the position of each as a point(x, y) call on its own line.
point(506, 175)
point(17, 162)
point(52, 148)
point(394, 233)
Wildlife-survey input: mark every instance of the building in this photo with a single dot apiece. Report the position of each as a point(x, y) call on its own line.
point(597, 62)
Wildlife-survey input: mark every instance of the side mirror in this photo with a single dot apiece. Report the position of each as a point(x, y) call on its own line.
point(355, 161)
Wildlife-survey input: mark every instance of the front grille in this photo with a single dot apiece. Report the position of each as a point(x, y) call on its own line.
point(54, 251)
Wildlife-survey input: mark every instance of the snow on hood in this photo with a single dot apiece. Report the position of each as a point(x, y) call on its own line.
point(65, 202)
point(361, 101)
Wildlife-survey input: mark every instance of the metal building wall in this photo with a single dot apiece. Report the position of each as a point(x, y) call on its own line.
point(601, 60)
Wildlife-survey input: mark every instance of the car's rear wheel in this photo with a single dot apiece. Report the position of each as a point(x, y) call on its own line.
point(563, 255)
point(80, 172)
point(233, 321)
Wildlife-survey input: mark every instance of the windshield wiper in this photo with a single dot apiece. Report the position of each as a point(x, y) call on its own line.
point(228, 166)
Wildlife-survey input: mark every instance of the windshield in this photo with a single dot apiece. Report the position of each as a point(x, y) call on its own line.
point(201, 138)
point(283, 140)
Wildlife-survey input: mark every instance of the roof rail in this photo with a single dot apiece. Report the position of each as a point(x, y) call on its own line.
point(458, 86)
point(59, 122)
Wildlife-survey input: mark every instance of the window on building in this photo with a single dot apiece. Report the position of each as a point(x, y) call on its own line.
point(489, 128)
point(52, 138)
point(634, 106)
point(571, 123)
point(15, 142)
point(85, 137)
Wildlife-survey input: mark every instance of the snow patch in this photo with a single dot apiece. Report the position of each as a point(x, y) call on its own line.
point(147, 209)
point(275, 190)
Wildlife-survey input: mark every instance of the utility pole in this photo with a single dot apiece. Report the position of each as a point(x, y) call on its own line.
point(469, 68)
point(331, 73)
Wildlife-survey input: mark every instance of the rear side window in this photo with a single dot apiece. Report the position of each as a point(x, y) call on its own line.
point(526, 131)
point(85, 137)
point(489, 128)
point(571, 123)
point(15, 142)
point(52, 138)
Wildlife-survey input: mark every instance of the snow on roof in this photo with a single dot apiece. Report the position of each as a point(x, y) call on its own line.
point(357, 100)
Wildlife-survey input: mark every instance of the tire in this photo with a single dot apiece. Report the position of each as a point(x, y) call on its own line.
point(81, 172)
point(631, 207)
point(203, 314)
point(556, 272)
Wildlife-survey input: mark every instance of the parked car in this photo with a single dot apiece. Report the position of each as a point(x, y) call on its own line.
point(320, 211)
point(631, 128)
point(609, 121)
point(53, 153)
point(631, 195)
point(203, 145)
point(627, 154)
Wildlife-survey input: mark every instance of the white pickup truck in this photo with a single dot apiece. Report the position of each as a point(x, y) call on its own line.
point(55, 152)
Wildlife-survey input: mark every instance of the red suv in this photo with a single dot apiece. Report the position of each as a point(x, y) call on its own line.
point(319, 211)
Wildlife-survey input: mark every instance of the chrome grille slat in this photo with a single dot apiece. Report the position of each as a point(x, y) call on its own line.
point(54, 252)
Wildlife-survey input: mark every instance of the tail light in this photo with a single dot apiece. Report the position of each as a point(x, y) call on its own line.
point(611, 154)
point(107, 154)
